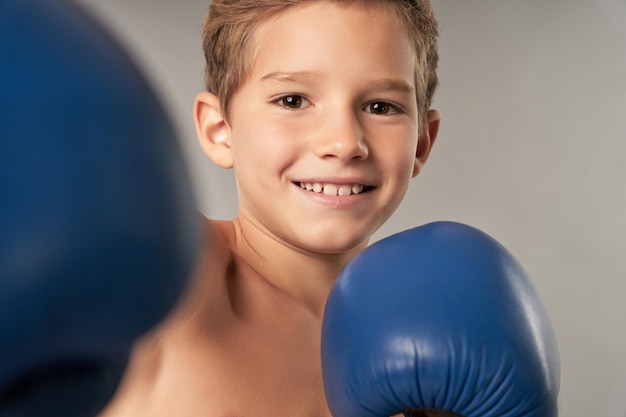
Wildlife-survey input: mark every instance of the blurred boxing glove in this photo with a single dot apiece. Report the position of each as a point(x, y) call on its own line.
point(440, 317)
point(98, 230)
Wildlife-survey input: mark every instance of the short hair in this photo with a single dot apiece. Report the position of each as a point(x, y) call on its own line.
point(230, 26)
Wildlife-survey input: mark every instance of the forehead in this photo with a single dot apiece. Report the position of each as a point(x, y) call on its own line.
point(323, 31)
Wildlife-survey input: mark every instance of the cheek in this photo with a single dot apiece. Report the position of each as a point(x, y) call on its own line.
point(279, 140)
point(403, 167)
point(252, 140)
point(263, 153)
point(398, 154)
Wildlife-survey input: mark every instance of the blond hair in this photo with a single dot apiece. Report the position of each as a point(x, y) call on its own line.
point(228, 42)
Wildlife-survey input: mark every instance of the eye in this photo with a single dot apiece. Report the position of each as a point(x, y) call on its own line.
point(382, 107)
point(293, 101)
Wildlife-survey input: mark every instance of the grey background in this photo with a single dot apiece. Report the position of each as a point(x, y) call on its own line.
point(531, 150)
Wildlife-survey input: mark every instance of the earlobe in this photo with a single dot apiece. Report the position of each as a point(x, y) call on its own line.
point(427, 138)
point(212, 129)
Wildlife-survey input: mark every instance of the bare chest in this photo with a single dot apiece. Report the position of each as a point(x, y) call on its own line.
point(241, 372)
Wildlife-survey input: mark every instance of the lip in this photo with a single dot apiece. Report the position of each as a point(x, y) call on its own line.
point(336, 180)
point(336, 201)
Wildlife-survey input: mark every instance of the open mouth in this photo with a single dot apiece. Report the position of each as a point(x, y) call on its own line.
point(334, 189)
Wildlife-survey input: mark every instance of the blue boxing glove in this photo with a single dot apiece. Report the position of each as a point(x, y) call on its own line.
point(440, 318)
point(98, 228)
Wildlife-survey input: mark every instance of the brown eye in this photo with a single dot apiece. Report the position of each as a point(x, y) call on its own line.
point(292, 101)
point(381, 107)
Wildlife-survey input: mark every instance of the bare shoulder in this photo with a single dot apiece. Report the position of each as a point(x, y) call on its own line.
point(206, 299)
point(202, 313)
point(236, 345)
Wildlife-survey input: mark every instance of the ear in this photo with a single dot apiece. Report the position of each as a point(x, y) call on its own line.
point(212, 129)
point(427, 138)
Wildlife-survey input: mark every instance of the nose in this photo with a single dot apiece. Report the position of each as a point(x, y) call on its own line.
point(341, 135)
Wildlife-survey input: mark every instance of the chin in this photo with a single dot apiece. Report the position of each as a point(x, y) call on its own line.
point(335, 242)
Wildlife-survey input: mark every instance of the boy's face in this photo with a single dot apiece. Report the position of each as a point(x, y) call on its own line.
point(330, 102)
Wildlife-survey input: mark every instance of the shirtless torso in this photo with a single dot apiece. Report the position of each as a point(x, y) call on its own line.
point(237, 346)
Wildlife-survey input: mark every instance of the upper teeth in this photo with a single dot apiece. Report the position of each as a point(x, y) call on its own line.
point(332, 189)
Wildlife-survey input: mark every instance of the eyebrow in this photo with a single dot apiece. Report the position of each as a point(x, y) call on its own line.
point(291, 76)
point(392, 84)
point(388, 84)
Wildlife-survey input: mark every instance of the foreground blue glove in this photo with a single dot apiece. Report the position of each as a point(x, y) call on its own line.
point(98, 230)
point(440, 317)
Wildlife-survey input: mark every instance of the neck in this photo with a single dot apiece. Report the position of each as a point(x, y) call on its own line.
point(307, 277)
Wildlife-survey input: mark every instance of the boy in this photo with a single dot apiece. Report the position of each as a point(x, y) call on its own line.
point(322, 109)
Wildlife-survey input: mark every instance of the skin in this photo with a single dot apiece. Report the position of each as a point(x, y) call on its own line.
point(245, 339)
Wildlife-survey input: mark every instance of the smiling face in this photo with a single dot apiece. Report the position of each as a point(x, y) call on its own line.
point(323, 134)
